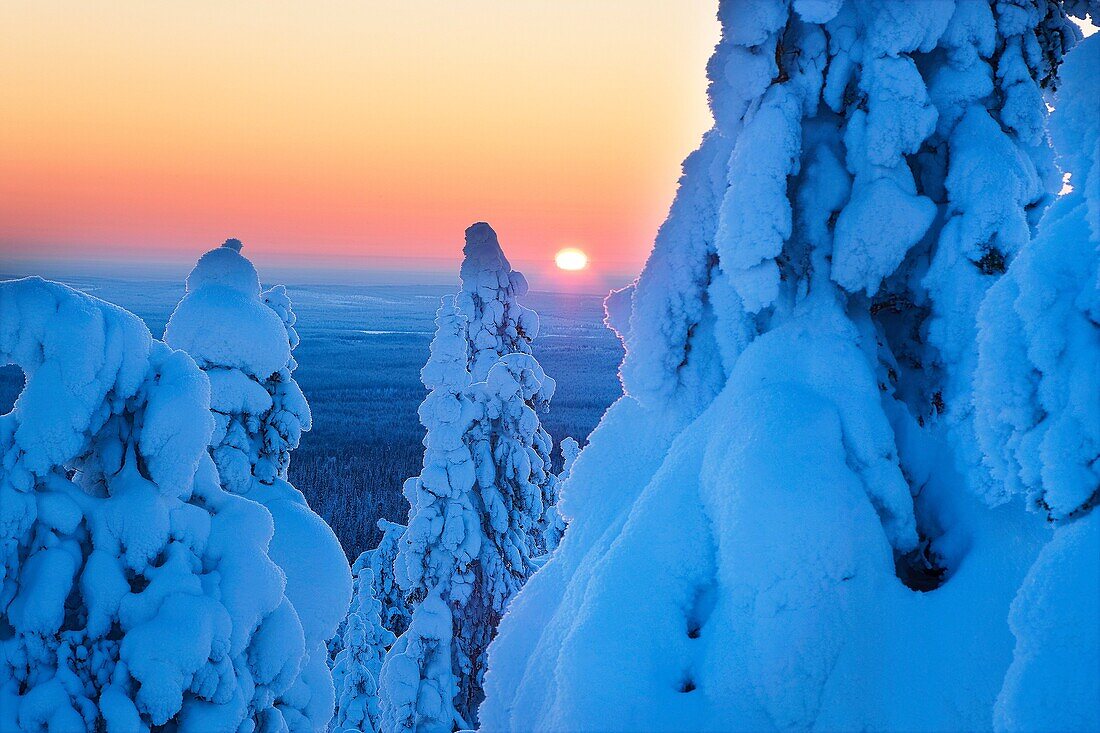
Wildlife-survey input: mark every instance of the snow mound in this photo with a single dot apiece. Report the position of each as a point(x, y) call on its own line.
point(221, 321)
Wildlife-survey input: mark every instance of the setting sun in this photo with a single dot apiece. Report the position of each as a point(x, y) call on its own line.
point(571, 258)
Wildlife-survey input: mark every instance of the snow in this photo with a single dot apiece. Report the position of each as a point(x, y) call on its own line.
point(851, 484)
point(755, 218)
point(784, 523)
point(879, 225)
point(244, 339)
point(1038, 424)
point(222, 321)
point(671, 354)
point(498, 323)
point(482, 510)
point(1053, 684)
point(437, 551)
point(1039, 360)
point(136, 591)
point(359, 663)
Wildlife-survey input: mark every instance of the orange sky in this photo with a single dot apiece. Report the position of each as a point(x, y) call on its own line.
point(340, 129)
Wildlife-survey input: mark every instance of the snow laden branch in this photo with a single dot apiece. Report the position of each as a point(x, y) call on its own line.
point(1039, 426)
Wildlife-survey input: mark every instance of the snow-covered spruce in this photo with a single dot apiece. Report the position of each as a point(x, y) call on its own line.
point(1039, 360)
point(503, 444)
point(1038, 387)
point(477, 512)
point(358, 665)
point(243, 339)
point(358, 650)
point(497, 324)
point(395, 611)
point(798, 426)
point(552, 525)
point(136, 592)
point(438, 552)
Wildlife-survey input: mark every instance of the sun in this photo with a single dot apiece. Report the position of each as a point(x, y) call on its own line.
point(571, 259)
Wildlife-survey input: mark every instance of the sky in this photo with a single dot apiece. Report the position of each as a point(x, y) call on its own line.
point(347, 134)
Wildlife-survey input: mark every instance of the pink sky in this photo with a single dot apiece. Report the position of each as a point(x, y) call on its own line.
point(347, 132)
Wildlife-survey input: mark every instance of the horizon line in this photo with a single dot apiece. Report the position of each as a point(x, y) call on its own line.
point(365, 270)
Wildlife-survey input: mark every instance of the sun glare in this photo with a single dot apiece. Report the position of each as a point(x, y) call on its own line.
point(571, 258)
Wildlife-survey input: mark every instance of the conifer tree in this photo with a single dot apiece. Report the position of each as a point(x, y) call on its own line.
point(1037, 390)
point(498, 325)
point(243, 339)
point(357, 652)
point(135, 592)
point(357, 667)
point(477, 513)
point(552, 526)
point(437, 556)
point(799, 422)
point(395, 611)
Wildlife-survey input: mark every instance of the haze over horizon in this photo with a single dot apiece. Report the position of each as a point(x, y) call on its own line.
point(353, 137)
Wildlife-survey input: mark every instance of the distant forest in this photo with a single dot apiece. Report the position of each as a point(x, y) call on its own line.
point(359, 366)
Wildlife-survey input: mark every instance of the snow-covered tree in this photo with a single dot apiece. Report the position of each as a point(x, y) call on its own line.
point(570, 449)
point(438, 552)
point(243, 338)
point(358, 665)
point(1038, 390)
point(552, 525)
point(798, 426)
point(477, 512)
point(359, 649)
point(498, 325)
point(395, 611)
point(506, 460)
point(1039, 345)
point(136, 592)
point(282, 426)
